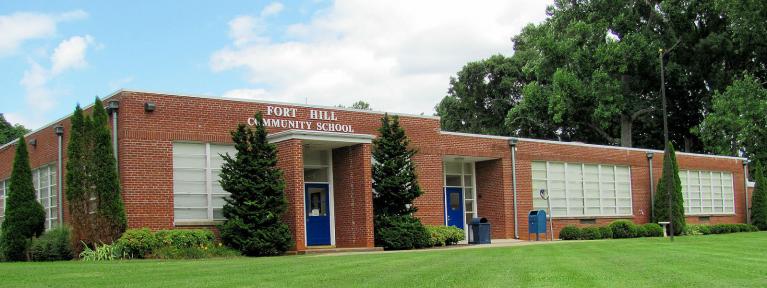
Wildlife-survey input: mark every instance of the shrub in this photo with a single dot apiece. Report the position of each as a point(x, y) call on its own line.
point(623, 229)
point(401, 232)
point(103, 252)
point(137, 243)
point(670, 181)
point(652, 230)
point(444, 235)
point(590, 233)
point(196, 252)
point(52, 245)
point(606, 232)
point(185, 238)
point(570, 232)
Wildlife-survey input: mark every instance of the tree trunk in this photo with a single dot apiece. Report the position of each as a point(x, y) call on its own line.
point(626, 125)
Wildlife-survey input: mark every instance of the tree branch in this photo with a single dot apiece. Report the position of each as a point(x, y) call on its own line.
point(641, 112)
point(602, 133)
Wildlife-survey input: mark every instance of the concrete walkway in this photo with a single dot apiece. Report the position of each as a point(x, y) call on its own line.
point(496, 243)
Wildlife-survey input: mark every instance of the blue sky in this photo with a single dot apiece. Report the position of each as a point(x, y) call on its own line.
point(396, 55)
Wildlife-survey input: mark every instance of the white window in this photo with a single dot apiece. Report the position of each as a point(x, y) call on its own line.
point(582, 190)
point(707, 192)
point(44, 180)
point(197, 193)
point(461, 174)
point(3, 196)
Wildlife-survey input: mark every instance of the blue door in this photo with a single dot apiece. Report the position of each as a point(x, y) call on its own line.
point(454, 206)
point(317, 214)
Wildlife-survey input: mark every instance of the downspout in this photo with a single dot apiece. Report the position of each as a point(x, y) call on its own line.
point(112, 107)
point(650, 154)
point(745, 190)
point(513, 144)
point(59, 130)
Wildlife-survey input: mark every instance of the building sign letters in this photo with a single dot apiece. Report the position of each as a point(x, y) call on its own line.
point(318, 120)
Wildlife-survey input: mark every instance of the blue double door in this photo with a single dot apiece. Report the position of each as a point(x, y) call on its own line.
point(454, 212)
point(317, 205)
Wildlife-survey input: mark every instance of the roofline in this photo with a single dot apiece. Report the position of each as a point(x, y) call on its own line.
point(58, 120)
point(585, 145)
point(203, 96)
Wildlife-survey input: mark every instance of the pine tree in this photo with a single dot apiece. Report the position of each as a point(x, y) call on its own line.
point(395, 187)
point(661, 205)
point(110, 221)
point(78, 183)
point(24, 216)
point(759, 199)
point(257, 202)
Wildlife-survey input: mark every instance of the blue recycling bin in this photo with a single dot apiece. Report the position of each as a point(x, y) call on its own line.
point(480, 231)
point(536, 223)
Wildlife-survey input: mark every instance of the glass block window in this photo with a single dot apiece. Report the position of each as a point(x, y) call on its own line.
point(707, 192)
point(3, 196)
point(197, 194)
point(44, 181)
point(582, 190)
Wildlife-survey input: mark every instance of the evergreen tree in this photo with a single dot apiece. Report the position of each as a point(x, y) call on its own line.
point(78, 183)
point(759, 199)
point(24, 216)
point(110, 219)
point(257, 202)
point(661, 205)
point(395, 186)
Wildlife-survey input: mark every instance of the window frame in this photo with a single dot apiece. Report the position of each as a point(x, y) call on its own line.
point(208, 183)
point(686, 192)
point(51, 219)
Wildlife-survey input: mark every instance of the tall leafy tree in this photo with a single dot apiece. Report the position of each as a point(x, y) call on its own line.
point(360, 105)
point(110, 220)
point(24, 216)
point(670, 190)
point(759, 199)
point(79, 187)
point(736, 123)
point(254, 209)
point(395, 186)
point(9, 132)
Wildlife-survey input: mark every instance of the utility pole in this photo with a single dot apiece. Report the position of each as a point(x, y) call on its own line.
point(669, 185)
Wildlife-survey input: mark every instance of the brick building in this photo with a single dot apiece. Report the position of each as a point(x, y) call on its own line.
point(168, 148)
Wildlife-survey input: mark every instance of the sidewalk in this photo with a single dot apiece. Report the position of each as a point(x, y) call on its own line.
point(496, 243)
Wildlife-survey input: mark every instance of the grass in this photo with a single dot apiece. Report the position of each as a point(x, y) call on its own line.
point(733, 260)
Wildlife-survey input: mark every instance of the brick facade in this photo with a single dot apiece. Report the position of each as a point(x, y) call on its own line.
point(146, 166)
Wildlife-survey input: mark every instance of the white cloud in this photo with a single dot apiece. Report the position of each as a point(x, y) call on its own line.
point(246, 94)
point(397, 55)
point(29, 121)
point(22, 26)
point(70, 54)
point(272, 9)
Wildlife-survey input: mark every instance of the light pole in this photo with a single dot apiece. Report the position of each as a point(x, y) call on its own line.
point(669, 185)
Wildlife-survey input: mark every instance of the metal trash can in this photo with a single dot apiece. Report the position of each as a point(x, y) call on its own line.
point(536, 222)
point(480, 231)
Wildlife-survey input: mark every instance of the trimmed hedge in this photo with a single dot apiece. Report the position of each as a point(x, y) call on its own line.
point(570, 232)
point(624, 229)
point(137, 243)
point(627, 229)
point(52, 245)
point(401, 233)
point(606, 232)
point(444, 235)
point(591, 233)
point(652, 230)
point(143, 243)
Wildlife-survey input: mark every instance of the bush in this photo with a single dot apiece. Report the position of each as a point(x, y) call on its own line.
point(103, 252)
point(444, 235)
point(138, 243)
point(185, 238)
point(401, 232)
point(606, 232)
point(590, 233)
point(570, 232)
point(197, 252)
point(652, 230)
point(52, 245)
point(623, 229)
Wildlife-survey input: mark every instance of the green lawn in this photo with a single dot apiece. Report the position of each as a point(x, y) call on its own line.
point(734, 260)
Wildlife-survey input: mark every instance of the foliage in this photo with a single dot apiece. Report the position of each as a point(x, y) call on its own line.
point(759, 199)
point(652, 230)
point(138, 243)
point(736, 122)
point(256, 203)
point(624, 229)
point(670, 186)
point(696, 229)
point(444, 235)
point(394, 179)
point(54, 244)
point(401, 232)
point(606, 232)
point(109, 219)
point(194, 252)
point(570, 232)
point(79, 186)
point(103, 252)
point(185, 238)
point(360, 105)
point(10, 132)
point(24, 216)
point(590, 233)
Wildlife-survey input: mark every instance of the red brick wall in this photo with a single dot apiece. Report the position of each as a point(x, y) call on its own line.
point(492, 194)
point(290, 159)
point(353, 196)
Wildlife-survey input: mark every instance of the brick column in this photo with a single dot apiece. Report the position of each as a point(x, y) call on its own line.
point(492, 188)
point(290, 160)
point(353, 196)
